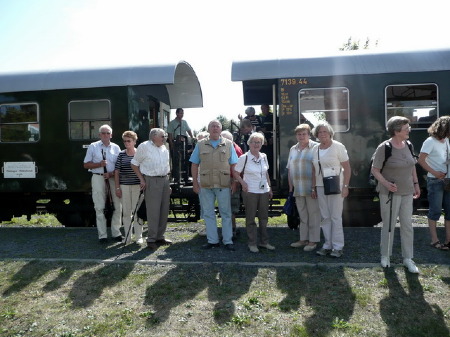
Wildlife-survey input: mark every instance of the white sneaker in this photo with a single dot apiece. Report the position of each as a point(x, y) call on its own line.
point(412, 268)
point(253, 249)
point(140, 241)
point(310, 248)
point(385, 261)
point(298, 244)
point(268, 246)
point(336, 253)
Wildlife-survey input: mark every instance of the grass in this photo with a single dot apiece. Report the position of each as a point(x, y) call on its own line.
point(80, 299)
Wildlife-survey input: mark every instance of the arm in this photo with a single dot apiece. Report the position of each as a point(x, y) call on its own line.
point(116, 180)
point(194, 171)
point(428, 168)
point(389, 185)
point(140, 176)
point(416, 184)
point(347, 174)
point(314, 189)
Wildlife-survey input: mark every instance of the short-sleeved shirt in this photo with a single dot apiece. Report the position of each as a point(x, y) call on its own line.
point(255, 172)
point(195, 156)
point(126, 173)
point(330, 158)
point(300, 168)
point(397, 169)
point(152, 160)
point(176, 128)
point(438, 154)
point(95, 153)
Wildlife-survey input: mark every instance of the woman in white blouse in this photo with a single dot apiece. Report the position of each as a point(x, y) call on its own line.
point(256, 192)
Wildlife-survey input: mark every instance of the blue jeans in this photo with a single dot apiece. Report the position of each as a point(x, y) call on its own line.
point(438, 199)
point(208, 197)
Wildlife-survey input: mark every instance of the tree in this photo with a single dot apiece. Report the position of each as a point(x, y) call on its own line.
point(354, 45)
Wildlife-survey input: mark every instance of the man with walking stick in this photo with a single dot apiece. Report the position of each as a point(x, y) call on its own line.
point(100, 159)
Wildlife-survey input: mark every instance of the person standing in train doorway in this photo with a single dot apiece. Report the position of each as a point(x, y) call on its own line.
point(178, 131)
point(100, 160)
point(151, 165)
point(213, 158)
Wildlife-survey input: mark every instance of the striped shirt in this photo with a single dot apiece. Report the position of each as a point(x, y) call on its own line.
point(300, 168)
point(126, 173)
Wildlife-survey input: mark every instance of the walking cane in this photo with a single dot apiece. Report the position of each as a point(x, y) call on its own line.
point(138, 204)
point(390, 197)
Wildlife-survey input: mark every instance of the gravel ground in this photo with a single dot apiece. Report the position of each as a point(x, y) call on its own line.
point(361, 246)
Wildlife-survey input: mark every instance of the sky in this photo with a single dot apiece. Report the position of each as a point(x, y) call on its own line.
point(208, 34)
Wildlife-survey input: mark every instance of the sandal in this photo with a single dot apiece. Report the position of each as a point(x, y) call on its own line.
point(440, 246)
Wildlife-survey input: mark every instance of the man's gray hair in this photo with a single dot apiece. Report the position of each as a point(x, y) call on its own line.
point(104, 126)
point(155, 132)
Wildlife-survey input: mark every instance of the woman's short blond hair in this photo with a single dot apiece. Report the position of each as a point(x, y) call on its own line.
point(303, 127)
point(130, 134)
point(257, 135)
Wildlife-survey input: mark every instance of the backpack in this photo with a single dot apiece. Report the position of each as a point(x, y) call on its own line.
point(387, 154)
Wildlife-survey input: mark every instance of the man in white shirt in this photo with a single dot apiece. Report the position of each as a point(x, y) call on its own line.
point(151, 165)
point(100, 159)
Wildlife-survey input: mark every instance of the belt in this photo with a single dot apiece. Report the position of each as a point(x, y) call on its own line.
point(99, 174)
point(158, 176)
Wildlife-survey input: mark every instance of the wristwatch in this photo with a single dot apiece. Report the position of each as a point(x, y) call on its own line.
point(345, 186)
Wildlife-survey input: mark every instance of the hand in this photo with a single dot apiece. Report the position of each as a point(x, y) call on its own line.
point(196, 188)
point(440, 175)
point(416, 194)
point(244, 186)
point(119, 193)
point(344, 192)
point(391, 187)
point(314, 194)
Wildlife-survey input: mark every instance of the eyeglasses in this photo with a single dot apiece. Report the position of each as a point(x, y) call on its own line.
point(408, 128)
point(105, 133)
point(256, 143)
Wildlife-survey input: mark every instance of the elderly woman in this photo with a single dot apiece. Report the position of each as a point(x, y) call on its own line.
point(256, 191)
point(300, 183)
point(397, 186)
point(434, 157)
point(330, 159)
point(128, 189)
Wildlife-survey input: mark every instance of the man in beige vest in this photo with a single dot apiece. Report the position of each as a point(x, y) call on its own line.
point(213, 157)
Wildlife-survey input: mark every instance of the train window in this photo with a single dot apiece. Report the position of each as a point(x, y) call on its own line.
point(329, 104)
point(19, 122)
point(418, 102)
point(85, 118)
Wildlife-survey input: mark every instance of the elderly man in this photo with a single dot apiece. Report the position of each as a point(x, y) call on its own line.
point(178, 131)
point(213, 158)
point(151, 165)
point(100, 159)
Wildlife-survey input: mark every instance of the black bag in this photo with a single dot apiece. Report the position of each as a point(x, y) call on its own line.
point(142, 211)
point(331, 185)
point(289, 205)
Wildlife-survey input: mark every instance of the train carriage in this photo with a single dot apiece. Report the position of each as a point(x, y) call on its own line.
point(356, 92)
point(48, 119)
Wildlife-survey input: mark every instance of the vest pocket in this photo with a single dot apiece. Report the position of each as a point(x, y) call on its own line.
point(205, 178)
point(224, 178)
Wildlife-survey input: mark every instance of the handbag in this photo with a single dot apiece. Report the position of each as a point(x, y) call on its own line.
point(289, 205)
point(332, 182)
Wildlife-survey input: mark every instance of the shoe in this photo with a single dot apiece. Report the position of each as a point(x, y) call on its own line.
point(103, 240)
point(440, 246)
point(230, 247)
point(253, 249)
point(268, 246)
point(211, 245)
point(164, 242)
point(336, 253)
point(412, 268)
point(152, 245)
point(323, 252)
point(310, 248)
point(118, 238)
point(385, 261)
point(299, 244)
point(140, 241)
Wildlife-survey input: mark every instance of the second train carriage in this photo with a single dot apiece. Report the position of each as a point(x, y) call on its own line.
point(356, 92)
point(48, 119)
